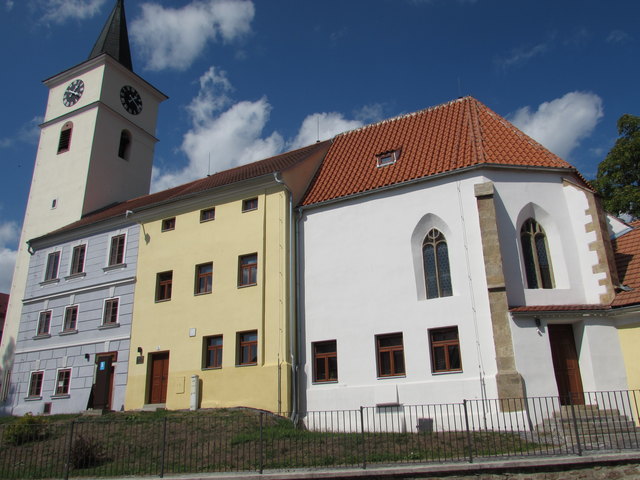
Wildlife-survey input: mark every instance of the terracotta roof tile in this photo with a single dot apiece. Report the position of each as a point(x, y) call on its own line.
point(627, 251)
point(448, 137)
point(558, 308)
point(267, 166)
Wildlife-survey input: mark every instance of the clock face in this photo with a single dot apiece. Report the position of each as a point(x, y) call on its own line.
point(73, 93)
point(130, 100)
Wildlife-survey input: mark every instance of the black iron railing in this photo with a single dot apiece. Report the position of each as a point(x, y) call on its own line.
point(226, 440)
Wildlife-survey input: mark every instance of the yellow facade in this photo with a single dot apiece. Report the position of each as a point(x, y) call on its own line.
point(180, 325)
point(629, 341)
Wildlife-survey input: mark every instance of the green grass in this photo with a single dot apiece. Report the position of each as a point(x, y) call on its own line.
point(146, 443)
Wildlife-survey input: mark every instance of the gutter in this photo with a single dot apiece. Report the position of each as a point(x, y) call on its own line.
point(293, 324)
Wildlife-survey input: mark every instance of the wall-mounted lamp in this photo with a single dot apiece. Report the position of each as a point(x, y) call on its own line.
point(140, 357)
point(538, 323)
point(87, 357)
point(139, 350)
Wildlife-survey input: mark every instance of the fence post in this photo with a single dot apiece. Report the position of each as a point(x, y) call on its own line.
point(466, 421)
point(164, 446)
point(260, 445)
point(67, 465)
point(575, 424)
point(364, 448)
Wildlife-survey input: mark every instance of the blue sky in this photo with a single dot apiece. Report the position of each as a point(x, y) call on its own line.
point(247, 79)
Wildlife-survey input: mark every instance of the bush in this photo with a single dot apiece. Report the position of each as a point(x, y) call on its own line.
point(86, 452)
point(26, 429)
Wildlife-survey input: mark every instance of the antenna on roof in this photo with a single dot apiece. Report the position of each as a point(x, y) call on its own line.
point(318, 129)
point(209, 168)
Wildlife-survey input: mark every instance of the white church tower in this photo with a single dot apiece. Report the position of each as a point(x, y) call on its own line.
point(96, 148)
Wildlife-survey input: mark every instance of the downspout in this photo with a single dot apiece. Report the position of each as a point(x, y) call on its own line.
point(293, 333)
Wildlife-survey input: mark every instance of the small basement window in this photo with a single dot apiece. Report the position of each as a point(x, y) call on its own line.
point(387, 158)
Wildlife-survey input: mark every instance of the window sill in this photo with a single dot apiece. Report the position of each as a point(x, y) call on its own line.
point(75, 275)
point(324, 382)
point(446, 372)
point(51, 281)
point(199, 294)
point(68, 332)
point(108, 326)
point(162, 300)
point(41, 336)
point(211, 368)
point(33, 399)
point(401, 375)
point(117, 266)
point(248, 285)
point(60, 397)
point(247, 364)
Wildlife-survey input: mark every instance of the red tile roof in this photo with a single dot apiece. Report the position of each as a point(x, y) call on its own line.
point(278, 163)
point(461, 133)
point(558, 308)
point(627, 251)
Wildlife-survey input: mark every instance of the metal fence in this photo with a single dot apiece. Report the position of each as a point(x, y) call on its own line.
point(162, 443)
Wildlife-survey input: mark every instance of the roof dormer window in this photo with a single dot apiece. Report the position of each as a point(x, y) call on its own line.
point(387, 158)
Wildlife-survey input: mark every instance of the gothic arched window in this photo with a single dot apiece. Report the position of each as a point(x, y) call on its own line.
point(125, 144)
point(435, 257)
point(64, 143)
point(535, 251)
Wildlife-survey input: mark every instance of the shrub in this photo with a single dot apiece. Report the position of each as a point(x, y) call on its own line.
point(86, 452)
point(26, 429)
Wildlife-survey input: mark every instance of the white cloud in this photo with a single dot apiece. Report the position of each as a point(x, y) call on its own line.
point(562, 123)
point(9, 4)
point(518, 56)
point(618, 36)
point(59, 11)
point(225, 134)
point(27, 133)
point(170, 38)
point(322, 126)
point(9, 235)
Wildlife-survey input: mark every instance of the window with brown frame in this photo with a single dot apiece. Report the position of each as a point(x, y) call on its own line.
point(44, 322)
point(248, 270)
point(207, 214)
point(163, 286)
point(110, 314)
point(212, 352)
point(53, 261)
point(250, 204)
point(445, 350)
point(204, 278)
point(168, 224)
point(116, 253)
point(63, 381)
point(535, 250)
point(64, 143)
point(248, 348)
point(325, 361)
point(390, 352)
point(35, 384)
point(77, 259)
point(70, 319)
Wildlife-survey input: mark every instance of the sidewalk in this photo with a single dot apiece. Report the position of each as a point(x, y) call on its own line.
point(534, 467)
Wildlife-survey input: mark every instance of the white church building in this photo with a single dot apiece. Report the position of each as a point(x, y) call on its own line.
point(444, 255)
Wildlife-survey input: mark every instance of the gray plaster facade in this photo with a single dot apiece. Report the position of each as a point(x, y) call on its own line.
point(64, 364)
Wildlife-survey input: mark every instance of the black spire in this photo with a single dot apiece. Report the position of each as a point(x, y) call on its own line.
point(114, 38)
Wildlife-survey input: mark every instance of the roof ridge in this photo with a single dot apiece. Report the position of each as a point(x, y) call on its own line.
point(405, 115)
point(476, 132)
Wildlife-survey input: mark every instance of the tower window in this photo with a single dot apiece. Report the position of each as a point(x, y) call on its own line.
point(65, 137)
point(125, 144)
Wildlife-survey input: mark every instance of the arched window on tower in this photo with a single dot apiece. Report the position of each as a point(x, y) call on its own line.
point(125, 144)
point(64, 143)
point(435, 257)
point(535, 252)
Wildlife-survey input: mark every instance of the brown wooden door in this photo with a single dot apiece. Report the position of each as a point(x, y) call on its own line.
point(103, 386)
point(565, 364)
point(159, 377)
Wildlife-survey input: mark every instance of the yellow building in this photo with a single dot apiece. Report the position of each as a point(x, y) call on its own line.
point(215, 290)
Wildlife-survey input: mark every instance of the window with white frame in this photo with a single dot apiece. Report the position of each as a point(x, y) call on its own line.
point(53, 262)
point(44, 323)
point(63, 382)
point(35, 384)
point(70, 319)
point(110, 315)
point(77, 259)
point(116, 251)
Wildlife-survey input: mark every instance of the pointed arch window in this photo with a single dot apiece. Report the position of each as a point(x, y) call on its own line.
point(435, 257)
point(64, 143)
point(535, 250)
point(125, 144)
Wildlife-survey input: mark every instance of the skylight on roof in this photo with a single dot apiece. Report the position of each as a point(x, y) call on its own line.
point(387, 158)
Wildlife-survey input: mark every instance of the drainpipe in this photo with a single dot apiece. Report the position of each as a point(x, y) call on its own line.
point(292, 297)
